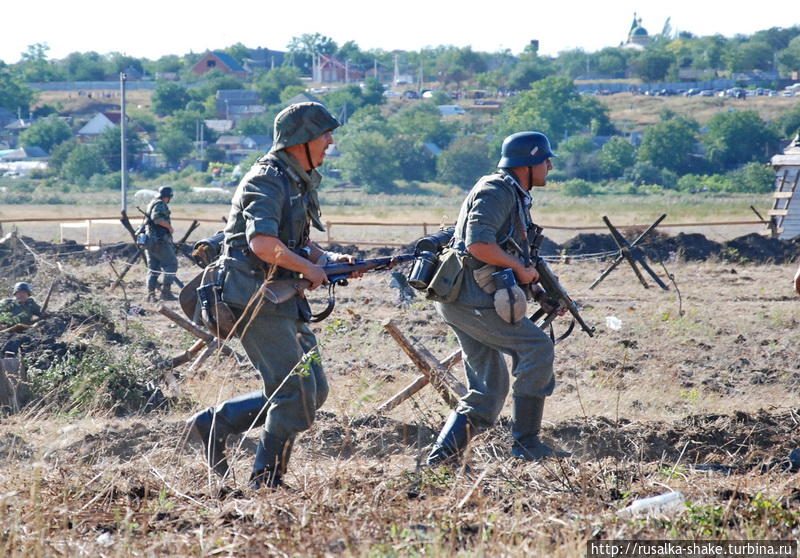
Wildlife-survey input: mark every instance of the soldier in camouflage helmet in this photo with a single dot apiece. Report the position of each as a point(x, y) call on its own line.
point(160, 249)
point(267, 233)
point(492, 233)
point(21, 309)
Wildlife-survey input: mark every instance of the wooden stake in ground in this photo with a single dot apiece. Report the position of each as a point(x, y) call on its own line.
point(434, 372)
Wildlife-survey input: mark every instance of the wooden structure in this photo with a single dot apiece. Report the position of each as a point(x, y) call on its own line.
point(205, 346)
point(630, 253)
point(432, 371)
point(785, 212)
point(14, 389)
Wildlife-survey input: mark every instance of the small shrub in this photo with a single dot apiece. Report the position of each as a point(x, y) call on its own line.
point(577, 188)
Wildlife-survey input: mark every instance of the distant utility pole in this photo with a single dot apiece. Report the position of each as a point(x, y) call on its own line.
point(123, 159)
point(347, 71)
point(396, 71)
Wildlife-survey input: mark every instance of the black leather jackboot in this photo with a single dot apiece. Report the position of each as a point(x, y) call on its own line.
point(528, 412)
point(452, 440)
point(272, 459)
point(212, 426)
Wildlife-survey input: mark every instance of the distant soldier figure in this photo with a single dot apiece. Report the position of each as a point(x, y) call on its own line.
point(160, 250)
point(22, 308)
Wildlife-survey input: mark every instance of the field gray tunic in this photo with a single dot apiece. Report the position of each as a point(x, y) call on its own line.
point(492, 212)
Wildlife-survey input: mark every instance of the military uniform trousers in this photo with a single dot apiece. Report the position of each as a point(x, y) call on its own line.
point(161, 257)
point(485, 338)
point(275, 344)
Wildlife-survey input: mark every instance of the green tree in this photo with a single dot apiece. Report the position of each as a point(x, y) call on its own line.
point(529, 69)
point(578, 158)
point(653, 64)
point(83, 162)
point(749, 55)
point(616, 155)
point(555, 108)
point(59, 155)
point(789, 58)
point(303, 47)
point(169, 97)
point(789, 122)
point(368, 160)
point(214, 81)
point(270, 84)
point(669, 144)
point(735, 138)
point(84, 66)
point(416, 163)
point(373, 92)
point(757, 178)
point(34, 65)
point(174, 146)
point(13, 92)
point(423, 122)
point(108, 146)
point(611, 62)
point(464, 161)
point(344, 101)
point(46, 133)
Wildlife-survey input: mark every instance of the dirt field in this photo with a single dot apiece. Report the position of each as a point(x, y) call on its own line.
point(697, 391)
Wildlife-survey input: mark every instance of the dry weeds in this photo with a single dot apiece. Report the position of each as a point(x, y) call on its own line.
point(706, 403)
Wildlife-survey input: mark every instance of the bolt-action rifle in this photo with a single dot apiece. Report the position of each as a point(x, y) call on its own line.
point(281, 290)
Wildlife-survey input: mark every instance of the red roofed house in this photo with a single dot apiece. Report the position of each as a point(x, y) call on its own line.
point(218, 60)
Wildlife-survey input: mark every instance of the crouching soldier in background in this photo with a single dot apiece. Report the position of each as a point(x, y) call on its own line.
point(267, 234)
point(492, 233)
point(160, 249)
point(21, 309)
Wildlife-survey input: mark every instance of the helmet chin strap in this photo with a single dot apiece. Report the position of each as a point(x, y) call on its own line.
point(308, 157)
point(530, 178)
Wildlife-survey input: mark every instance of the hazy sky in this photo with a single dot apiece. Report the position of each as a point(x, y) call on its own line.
point(150, 29)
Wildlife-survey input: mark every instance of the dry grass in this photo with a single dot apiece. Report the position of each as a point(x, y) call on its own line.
point(632, 112)
point(642, 409)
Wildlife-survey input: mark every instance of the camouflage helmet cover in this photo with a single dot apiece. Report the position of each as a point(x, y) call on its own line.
point(22, 286)
point(165, 192)
point(300, 123)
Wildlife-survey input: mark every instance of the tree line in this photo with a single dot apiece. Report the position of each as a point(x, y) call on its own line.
point(383, 146)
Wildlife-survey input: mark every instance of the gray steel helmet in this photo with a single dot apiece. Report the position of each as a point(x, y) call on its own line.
point(300, 123)
point(22, 286)
point(524, 149)
point(165, 192)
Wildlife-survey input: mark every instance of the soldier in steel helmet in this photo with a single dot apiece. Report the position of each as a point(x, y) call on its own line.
point(267, 234)
point(22, 308)
point(492, 233)
point(160, 249)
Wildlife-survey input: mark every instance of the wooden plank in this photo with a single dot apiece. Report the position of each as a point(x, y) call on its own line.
point(778, 212)
point(426, 365)
point(781, 195)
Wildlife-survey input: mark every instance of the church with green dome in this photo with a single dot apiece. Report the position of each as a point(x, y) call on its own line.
point(638, 38)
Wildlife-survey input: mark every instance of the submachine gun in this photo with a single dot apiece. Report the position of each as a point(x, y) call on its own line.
point(281, 290)
point(556, 298)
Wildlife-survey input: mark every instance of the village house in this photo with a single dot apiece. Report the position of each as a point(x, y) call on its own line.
point(218, 60)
